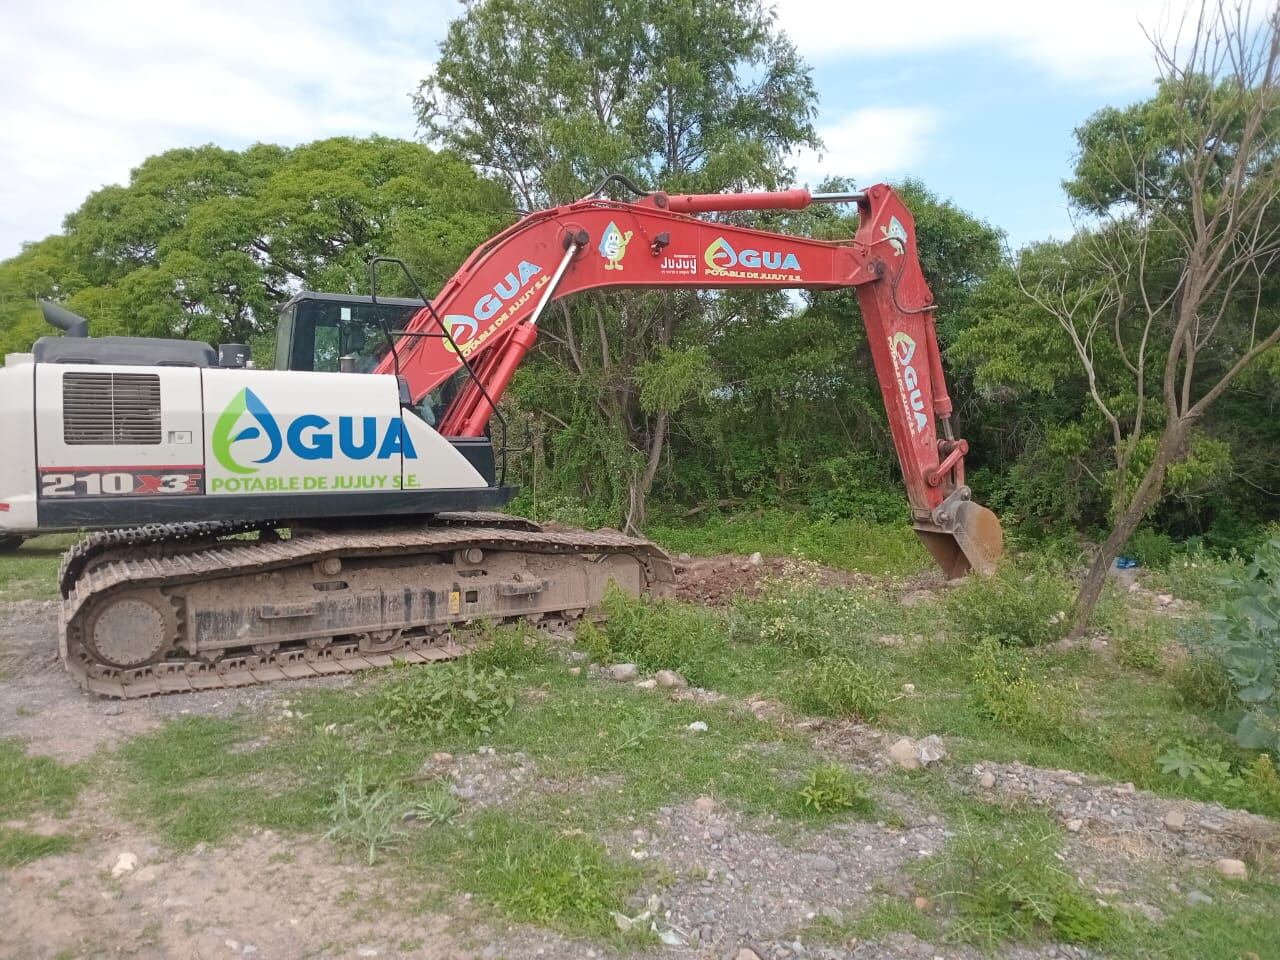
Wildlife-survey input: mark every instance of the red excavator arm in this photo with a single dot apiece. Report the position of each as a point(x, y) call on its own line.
point(488, 312)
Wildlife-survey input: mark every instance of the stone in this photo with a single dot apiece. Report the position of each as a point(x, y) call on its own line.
point(1165, 598)
point(1124, 789)
point(833, 915)
point(716, 832)
point(1175, 819)
point(648, 684)
point(366, 951)
point(125, 863)
point(987, 780)
point(441, 758)
point(684, 558)
point(908, 688)
point(930, 750)
point(755, 559)
point(698, 726)
point(1198, 898)
point(922, 904)
point(1071, 780)
point(669, 678)
point(114, 710)
point(575, 671)
point(1231, 868)
point(623, 671)
point(1075, 825)
point(903, 753)
point(746, 953)
point(704, 804)
point(822, 864)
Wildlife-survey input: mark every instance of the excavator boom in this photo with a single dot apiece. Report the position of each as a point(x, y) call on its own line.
point(486, 317)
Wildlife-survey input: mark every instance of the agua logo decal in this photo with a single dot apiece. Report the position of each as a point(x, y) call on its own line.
point(308, 437)
point(246, 401)
point(464, 327)
point(904, 351)
point(722, 259)
point(613, 246)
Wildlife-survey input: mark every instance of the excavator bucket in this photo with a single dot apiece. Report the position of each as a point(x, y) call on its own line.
point(971, 539)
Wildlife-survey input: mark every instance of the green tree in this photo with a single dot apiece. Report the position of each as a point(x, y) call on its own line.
point(206, 243)
point(1168, 296)
point(690, 95)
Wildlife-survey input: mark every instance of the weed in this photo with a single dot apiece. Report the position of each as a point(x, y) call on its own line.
point(512, 649)
point(1005, 882)
point(1197, 576)
point(437, 805)
point(29, 784)
point(839, 687)
point(18, 846)
point(538, 875)
point(1018, 607)
point(458, 699)
point(365, 817)
point(1004, 692)
point(1254, 786)
point(830, 788)
point(1151, 548)
point(1139, 645)
point(1202, 682)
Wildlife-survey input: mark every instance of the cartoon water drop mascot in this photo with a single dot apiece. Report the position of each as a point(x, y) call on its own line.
point(613, 246)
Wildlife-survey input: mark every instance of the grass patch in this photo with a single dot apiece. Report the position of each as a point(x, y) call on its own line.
point(835, 686)
point(893, 916)
point(366, 818)
point(890, 550)
point(534, 874)
point(18, 846)
point(31, 571)
point(1197, 576)
point(1018, 606)
point(32, 784)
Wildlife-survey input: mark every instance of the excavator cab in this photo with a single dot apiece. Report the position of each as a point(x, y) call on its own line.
point(338, 332)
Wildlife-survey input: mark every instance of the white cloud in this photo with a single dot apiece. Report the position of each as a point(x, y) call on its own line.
point(874, 143)
point(91, 89)
point(1098, 43)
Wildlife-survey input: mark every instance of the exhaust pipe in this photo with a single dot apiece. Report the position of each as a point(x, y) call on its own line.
point(71, 324)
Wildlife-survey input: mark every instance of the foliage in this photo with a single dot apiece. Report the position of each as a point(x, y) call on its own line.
point(831, 788)
point(1195, 574)
point(365, 817)
point(1018, 606)
point(1246, 641)
point(837, 686)
point(206, 243)
point(462, 698)
point(1006, 883)
point(1254, 785)
point(514, 648)
point(1140, 640)
point(1151, 548)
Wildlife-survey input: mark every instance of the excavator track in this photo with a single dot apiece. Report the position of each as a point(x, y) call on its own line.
point(198, 606)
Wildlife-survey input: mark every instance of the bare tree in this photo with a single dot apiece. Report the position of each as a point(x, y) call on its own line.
point(1189, 229)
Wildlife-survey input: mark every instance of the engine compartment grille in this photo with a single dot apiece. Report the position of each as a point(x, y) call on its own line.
point(110, 408)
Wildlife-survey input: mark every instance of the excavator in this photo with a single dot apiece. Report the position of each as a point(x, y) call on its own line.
point(338, 512)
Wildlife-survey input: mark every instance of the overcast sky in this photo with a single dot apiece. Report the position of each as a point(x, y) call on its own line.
point(978, 99)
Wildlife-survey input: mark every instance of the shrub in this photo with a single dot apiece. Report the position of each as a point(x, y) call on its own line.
point(1006, 883)
point(1246, 641)
point(1018, 608)
point(1138, 645)
point(1005, 693)
point(830, 788)
point(458, 699)
point(1254, 786)
point(1201, 681)
point(365, 817)
point(1198, 576)
point(840, 687)
point(1150, 548)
